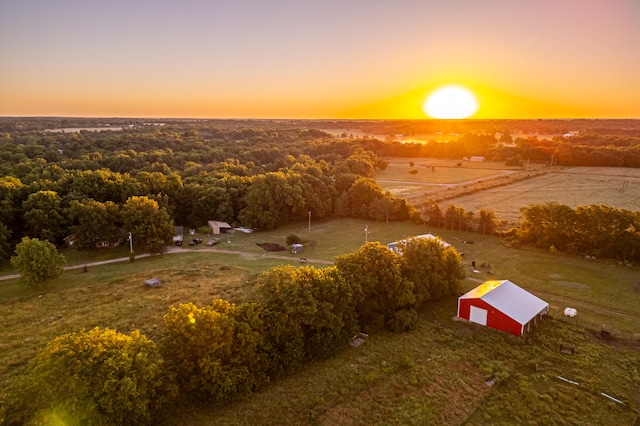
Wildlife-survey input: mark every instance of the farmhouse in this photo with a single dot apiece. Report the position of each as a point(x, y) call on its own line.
point(394, 245)
point(502, 305)
point(217, 226)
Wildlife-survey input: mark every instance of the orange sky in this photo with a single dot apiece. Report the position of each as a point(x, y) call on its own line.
point(330, 59)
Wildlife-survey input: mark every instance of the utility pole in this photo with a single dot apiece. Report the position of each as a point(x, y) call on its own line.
point(309, 222)
point(130, 242)
point(366, 234)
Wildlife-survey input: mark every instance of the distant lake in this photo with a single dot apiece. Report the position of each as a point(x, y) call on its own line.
point(79, 129)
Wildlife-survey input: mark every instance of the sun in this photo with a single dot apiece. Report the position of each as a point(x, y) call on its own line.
point(451, 101)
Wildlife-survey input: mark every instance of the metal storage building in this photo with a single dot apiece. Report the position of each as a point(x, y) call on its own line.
point(502, 305)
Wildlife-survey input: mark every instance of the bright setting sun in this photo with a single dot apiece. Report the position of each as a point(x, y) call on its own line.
point(451, 102)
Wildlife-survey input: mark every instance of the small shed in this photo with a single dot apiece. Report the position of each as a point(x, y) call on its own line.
point(297, 248)
point(217, 227)
point(502, 305)
point(153, 282)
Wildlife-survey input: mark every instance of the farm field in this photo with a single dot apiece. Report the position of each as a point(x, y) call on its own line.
point(434, 174)
point(574, 186)
point(503, 190)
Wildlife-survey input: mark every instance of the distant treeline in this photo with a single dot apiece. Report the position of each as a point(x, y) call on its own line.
point(594, 230)
point(260, 174)
point(599, 231)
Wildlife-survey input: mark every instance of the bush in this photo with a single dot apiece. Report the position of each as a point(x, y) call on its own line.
point(293, 239)
point(216, 351)
point(413, 171)
point(38, 262)
point(91, 377)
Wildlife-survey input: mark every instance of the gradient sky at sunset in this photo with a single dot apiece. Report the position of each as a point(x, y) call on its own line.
point(318, 59)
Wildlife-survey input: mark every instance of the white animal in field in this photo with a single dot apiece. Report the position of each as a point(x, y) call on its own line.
point(570, 312)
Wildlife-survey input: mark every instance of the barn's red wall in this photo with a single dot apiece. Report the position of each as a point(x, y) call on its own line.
point(495, 318)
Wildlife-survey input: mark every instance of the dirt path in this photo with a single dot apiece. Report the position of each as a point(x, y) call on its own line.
point(177, 250)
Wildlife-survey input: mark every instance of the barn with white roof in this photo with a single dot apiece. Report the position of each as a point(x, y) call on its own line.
point(502, 305)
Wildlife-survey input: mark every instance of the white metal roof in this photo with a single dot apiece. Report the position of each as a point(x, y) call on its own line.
point(513, 301)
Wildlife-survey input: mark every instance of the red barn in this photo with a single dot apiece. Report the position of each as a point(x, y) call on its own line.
point(502, 305)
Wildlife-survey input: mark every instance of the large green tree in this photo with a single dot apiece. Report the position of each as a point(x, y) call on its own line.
point(150, 225)
point(273, 200)
point(383, 298)
point(96, 377)
point(44, 216)
point(5, 246)
point(317, 303)
point(215, 351)
point(94, 222)
point(433, 267)
point(38, 262)
point(360, 196)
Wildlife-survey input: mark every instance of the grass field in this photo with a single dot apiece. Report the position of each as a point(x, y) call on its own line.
point(434, 375)
point(434, 174)
point(616, 187)
point(437, 374)
point(496, 187)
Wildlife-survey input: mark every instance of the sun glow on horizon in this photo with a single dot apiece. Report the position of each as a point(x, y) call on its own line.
point(451, 102)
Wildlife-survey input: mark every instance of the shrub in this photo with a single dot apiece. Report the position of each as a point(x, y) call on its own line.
point(293, 239)
point(38, 262)
point(216, 351)
point(413, 171)
point(91, 377)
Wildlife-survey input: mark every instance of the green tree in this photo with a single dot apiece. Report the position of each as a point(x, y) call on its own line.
point(361, 195)
point(38, 262)
point(148, 223)
point(44, 216)
point(382, 297)
point(5, 246)
point(454, 217)
point(317, 303)
point(431, 214)
point(216, 351)
point(93, 377)
point(94, 222)
point(487, 221)
point(211, 202)
point(12, 194)
point(434, 269)
point(273, 200)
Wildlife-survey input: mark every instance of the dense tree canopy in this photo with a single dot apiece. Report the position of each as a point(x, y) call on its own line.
point(264, 174)
point(596, 230)
point(91, 377)
point(95, 223)
point(217, 350)
point(148, 223)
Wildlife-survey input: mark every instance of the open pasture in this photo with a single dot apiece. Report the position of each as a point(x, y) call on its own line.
point(434, 174)
point(408, 378)
point(573, 186)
